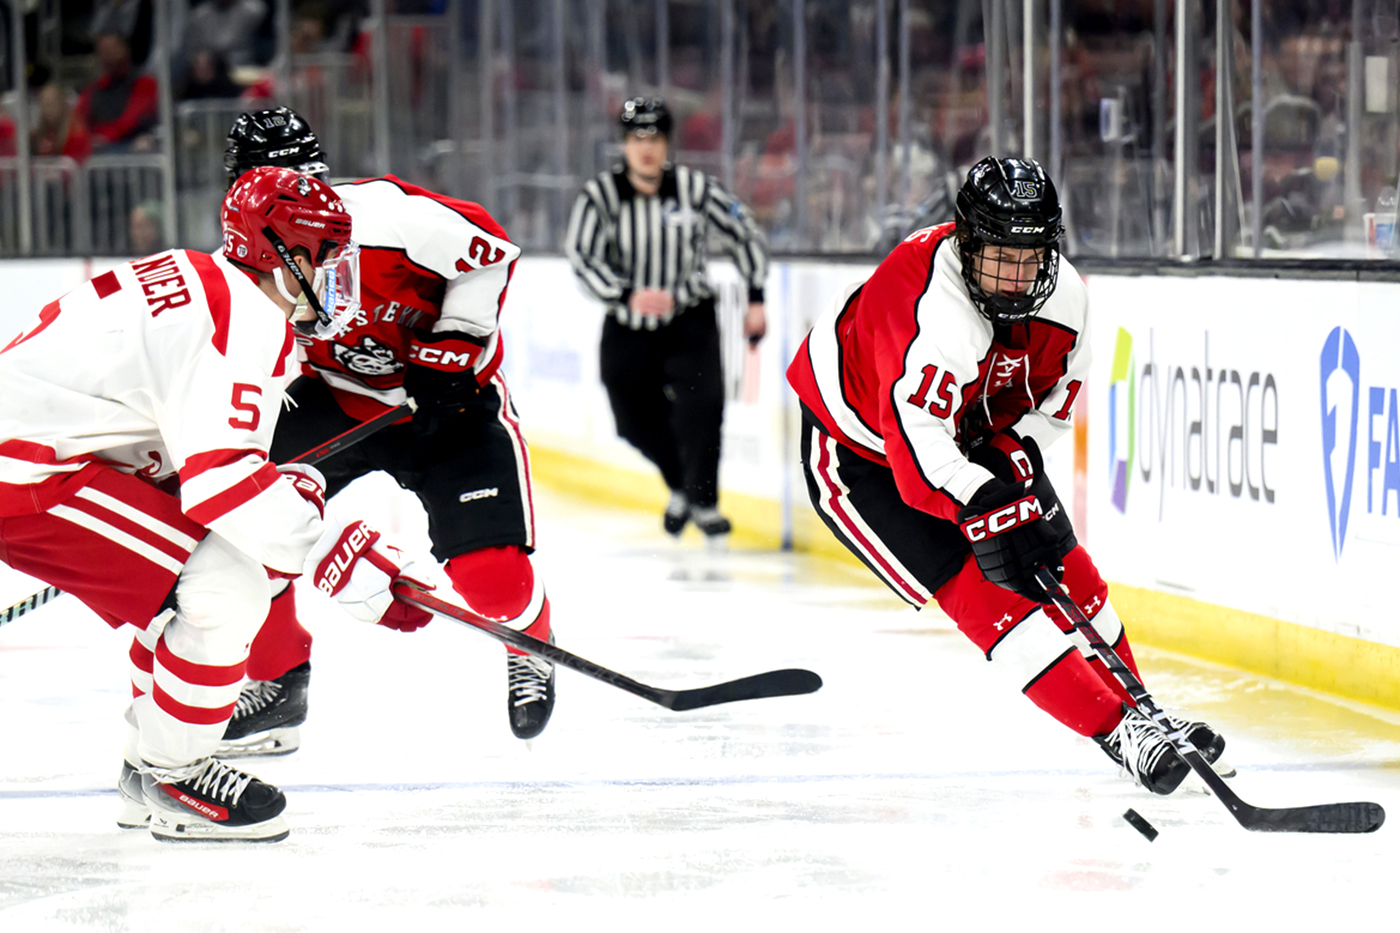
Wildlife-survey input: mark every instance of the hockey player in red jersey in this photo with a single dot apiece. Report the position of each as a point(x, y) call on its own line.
point(136, 415)
point(928, 393)
point(434, 276)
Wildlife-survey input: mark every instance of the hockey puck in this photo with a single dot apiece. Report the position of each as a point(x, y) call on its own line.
point(1136, 821)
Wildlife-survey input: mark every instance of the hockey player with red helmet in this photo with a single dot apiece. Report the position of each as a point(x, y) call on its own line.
point(136, 414)
point(928, 393)
point(435, 271)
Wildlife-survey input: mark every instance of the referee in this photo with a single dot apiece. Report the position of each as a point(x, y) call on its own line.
point(637, 238)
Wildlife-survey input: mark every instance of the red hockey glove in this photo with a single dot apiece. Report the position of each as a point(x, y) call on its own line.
point(1010, 538)
point(1010, 458)
point(357, 569)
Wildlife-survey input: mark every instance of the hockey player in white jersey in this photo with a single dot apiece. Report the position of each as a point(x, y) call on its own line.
point(136, 415)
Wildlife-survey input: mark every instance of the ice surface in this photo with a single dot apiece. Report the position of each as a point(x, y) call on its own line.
point(916, 788)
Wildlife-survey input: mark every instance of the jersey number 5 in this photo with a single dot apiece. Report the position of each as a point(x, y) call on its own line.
point(942, 404)
point(246, 407)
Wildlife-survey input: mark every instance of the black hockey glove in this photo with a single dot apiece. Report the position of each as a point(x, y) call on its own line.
point(1010, 538)
point(441, 378)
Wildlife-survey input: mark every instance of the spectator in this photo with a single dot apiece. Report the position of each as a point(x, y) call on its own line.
point(59, 131)
point(133, 20)
point(145, 230)
point(208, 77)
point(226, 27)
point(120, 104)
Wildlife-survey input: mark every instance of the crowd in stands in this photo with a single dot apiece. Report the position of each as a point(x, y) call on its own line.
point(224, 50)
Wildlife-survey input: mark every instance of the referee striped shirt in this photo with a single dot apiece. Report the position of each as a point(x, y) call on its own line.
point(620, 240)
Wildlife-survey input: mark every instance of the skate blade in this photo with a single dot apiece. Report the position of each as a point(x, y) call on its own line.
point(717, 544)
point(262, 744)
point(184, 827)
point(134, 815)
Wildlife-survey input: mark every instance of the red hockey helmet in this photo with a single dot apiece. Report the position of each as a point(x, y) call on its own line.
point(271, 211)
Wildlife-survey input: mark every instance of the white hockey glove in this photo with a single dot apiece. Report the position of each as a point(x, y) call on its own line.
point(308, 482)
point(357, 568)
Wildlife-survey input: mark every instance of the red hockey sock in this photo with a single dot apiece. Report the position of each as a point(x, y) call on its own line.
point(499, 582)
point(282, 643)
point(1074, 693)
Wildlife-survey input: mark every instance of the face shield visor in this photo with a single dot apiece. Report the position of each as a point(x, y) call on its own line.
point(336, 287)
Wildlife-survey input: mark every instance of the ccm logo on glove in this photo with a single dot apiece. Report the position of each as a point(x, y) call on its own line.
point(1020, 512)
point(449, 354)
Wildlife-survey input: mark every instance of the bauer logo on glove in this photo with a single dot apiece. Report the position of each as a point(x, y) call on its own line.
point(357, 568)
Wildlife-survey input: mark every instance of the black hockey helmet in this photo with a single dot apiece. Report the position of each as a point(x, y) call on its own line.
point(1012, 203)
point(277, 137)
point(645, 114)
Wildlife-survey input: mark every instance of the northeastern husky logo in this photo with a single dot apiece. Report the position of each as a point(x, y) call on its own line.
point(369, 357)
point(1341, 389)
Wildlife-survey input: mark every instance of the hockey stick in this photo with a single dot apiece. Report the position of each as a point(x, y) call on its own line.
point(30, 603)
point(782, 683)
point(356, 434)
point(1325, 818)
point(313, 456)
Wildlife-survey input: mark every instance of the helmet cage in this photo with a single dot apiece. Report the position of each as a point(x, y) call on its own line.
point(1006, 307)
point(1010, 203)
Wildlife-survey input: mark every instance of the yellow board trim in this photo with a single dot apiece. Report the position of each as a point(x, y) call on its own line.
point(1346, 667)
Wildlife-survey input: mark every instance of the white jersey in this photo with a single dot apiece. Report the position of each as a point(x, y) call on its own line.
point(170, 365)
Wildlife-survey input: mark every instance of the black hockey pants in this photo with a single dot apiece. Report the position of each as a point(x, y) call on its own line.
point(667, 393)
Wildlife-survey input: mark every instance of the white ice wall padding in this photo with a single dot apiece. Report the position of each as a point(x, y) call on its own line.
point(1275, 559)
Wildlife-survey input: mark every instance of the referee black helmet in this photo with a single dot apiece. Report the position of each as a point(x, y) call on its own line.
point(277, 137)
point(1009, 203)
point(645, 115)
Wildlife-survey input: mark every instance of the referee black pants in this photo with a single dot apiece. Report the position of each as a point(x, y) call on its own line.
point(666, 388)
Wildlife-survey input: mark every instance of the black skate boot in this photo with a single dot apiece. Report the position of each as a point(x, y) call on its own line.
point(1138, 747)
point(677, 514)
point(135, 812)
point(266, 716)
point(210, 801)
point(1208, 742)
point(529, 693)
point(714, 525)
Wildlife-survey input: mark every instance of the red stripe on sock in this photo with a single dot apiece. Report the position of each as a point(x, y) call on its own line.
point(201, 675)
point(192, 715)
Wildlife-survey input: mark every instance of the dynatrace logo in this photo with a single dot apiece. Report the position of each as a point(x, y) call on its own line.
point(1184, 422)
point(1122, 391)
point(1341, 390)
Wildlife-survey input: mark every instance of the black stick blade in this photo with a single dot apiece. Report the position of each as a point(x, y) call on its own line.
point(784, 683)
point(1326, 818)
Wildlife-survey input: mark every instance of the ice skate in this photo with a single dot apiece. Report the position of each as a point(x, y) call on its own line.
point(135, 812)
point(266, 716)
point(677, 514)
point(1208, 742)
point(715, 526)
point(210, 801)
point(1138, 747)
point(529, 693)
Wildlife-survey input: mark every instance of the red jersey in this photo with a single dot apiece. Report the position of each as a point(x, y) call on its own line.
point(428, 263)
point(905, 371)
